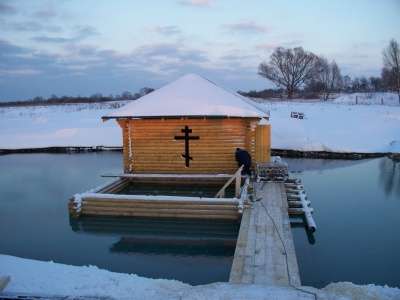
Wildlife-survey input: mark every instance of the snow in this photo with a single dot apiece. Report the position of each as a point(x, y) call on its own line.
point(335, 127)
point(369, 98)
point(327, 126)
point(53, 279)
point(190, 95)
point(61, 125)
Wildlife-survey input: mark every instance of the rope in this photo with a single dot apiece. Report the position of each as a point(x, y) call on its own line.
point(284, 249)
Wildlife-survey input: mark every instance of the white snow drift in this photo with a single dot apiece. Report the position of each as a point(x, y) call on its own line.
point(53, 279)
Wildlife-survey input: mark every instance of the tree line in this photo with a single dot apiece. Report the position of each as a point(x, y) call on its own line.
point(297, 72)
point(95, 98)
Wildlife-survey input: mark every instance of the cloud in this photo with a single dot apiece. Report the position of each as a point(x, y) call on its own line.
point(246, 27)
point(85, 31)
point(266, 46)
point(167, 30)
point(31, 26)
point(7, 9)
point(80, 33)
point(55, 40)
point(197, 3)
point(85, 70)
point(19, 72)
point(45, 13)
point(7, 49)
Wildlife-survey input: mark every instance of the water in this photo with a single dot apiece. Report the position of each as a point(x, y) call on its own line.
point(34, 223)
point(191, 189)
point(356, 204)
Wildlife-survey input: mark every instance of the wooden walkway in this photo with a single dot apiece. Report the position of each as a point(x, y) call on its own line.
point(260, 254)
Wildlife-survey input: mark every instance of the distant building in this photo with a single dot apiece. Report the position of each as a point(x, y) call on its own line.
point(191, 126)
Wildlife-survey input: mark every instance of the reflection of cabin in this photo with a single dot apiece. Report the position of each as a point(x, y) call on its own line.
point(190, 126)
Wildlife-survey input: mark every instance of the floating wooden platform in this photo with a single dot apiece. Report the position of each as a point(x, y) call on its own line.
point(111, 200)
point(265, 251)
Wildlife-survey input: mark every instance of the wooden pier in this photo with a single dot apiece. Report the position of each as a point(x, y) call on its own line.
point(141, 201)
point(265, 251)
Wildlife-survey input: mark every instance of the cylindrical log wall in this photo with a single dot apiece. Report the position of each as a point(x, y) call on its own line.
point(263, 143)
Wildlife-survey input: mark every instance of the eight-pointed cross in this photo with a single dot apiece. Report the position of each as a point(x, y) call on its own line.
point(186, 137)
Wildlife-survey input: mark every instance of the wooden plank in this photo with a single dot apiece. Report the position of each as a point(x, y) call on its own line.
point(157, 199)
point(167, 215)
point(266, 249)
point(139, 205)
point(241, 244)
point(184, 176)
point(117, 209)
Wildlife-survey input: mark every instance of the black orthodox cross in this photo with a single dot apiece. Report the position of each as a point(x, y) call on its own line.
point(186, 137)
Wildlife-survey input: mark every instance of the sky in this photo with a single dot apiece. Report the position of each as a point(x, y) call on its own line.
point(83, 47)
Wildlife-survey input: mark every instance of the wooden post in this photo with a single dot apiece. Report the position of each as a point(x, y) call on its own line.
point(238, 181)
point(263, 142)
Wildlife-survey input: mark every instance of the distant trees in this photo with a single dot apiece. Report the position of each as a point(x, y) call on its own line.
point(95, 98)
point(289, 68)
point(391, 66)
point(296, 68)
point(309, 75)
point(327, 77)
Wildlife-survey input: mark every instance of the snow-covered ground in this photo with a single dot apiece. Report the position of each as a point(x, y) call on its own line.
point(58, 125)
point(338, 126)
point(48, 278)
point(369, 98)
point(335, 127)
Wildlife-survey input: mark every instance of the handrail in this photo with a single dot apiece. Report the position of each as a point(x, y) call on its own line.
point(238, 177)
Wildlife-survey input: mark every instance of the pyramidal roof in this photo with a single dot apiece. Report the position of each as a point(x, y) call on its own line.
point(190, 95)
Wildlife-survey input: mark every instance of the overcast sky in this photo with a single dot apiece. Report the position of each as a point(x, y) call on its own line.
point(81, 47)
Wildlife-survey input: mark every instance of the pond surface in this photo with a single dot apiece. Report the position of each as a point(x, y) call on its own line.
point(34, 223)
point(189, 189)
point(356, 204)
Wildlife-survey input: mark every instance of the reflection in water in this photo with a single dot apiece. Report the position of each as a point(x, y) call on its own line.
point(298, 165)
point(356, 210)
point(163, 236)
point(300, 222)
point(175, 246)
point(390, 176)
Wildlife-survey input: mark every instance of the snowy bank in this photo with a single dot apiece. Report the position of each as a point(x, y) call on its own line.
point(31, 277)
point(326, 126)
point(335, 127)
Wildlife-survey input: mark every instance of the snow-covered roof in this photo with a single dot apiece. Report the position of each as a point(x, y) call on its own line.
point(190, 95)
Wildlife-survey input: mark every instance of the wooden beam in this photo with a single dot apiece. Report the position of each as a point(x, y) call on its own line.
point(221, 192)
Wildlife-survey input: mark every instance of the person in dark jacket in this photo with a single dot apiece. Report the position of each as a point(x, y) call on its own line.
point(243, 158)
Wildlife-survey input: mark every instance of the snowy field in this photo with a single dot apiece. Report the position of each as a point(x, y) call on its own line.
point(58, 125)
point(338, 126)
point(53, 279)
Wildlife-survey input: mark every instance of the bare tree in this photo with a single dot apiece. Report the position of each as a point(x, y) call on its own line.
point(328, 75)
point(347, 83)
point(289, 68)
point(391, 61)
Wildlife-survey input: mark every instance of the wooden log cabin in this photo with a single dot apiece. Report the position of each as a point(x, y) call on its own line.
point(191, 126)
point(179, 146)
